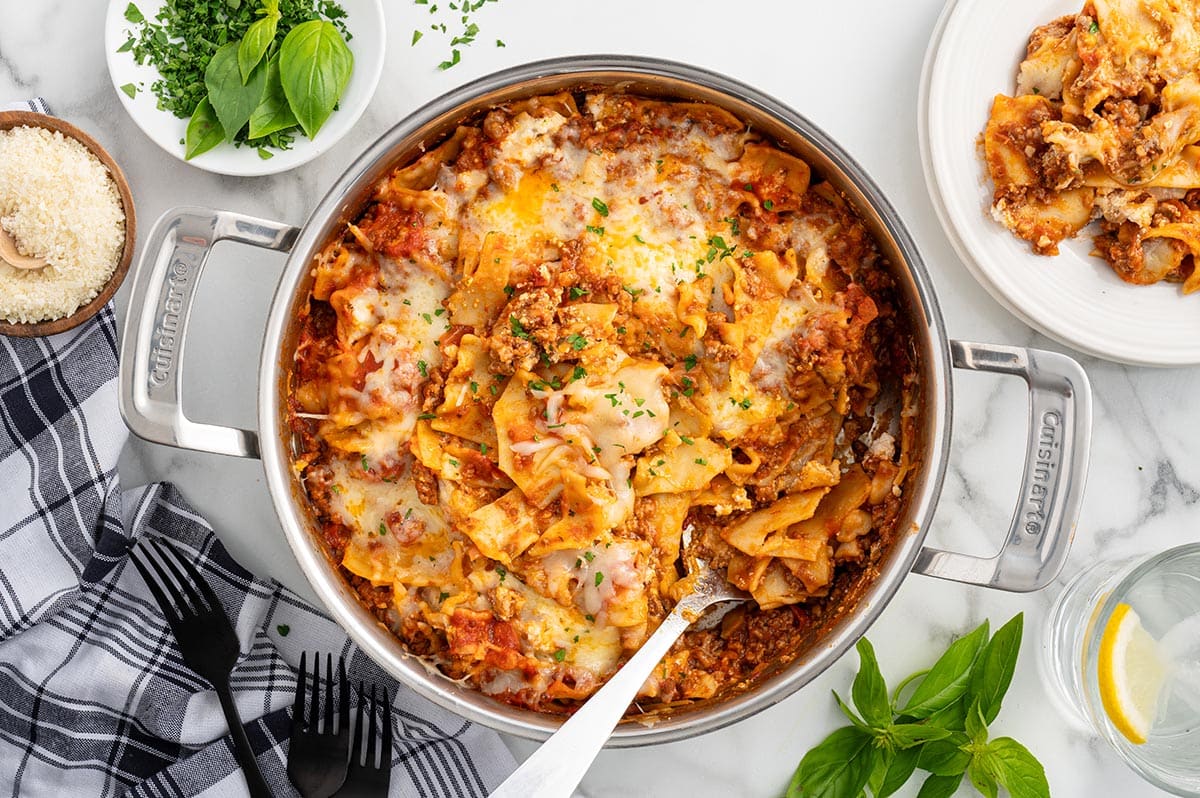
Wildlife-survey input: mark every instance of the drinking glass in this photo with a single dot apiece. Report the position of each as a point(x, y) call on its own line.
point(1162, 592)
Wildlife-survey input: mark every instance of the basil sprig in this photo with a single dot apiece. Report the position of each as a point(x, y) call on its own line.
point(941, 728)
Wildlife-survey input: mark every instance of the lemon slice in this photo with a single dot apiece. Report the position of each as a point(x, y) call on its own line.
point(1131, 674)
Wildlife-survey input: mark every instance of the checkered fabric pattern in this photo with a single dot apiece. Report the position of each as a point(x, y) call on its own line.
point(95, 699)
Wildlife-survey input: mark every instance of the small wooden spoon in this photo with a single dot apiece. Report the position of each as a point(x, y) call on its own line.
point(10, 255)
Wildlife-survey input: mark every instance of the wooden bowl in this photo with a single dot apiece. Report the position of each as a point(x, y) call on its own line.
point(11, 119)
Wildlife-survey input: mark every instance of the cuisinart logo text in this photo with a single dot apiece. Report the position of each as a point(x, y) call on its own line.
point(162, 355)
point(1045, 461)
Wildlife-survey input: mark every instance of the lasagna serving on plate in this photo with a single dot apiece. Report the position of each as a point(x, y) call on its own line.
point(1105, 125)
point(585, 336)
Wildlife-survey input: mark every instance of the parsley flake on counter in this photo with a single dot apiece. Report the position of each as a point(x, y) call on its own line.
point(283, 629)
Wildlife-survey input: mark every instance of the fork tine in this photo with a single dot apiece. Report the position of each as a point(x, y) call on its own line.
point(168, 587)
point(200, 582)
point(327, 720)
point(385, 753)
point(169, 557)
point(344, 697)
point(314, 713)
point(356, 745)
point(372, 733)
point(298, 704)
point(164, 603)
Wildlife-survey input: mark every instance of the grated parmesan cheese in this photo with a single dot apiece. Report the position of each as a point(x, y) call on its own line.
point(60, 204)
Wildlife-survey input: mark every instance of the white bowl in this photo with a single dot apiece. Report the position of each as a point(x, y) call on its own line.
point(1073, 297)
point(364, 20)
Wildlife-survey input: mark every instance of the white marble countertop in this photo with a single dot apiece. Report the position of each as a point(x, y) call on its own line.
point(852, 68)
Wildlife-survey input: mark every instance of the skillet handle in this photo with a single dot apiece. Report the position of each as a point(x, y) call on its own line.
point(164, 285)
point(1056, 460)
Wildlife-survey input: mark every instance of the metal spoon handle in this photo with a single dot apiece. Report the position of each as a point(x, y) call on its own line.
point(558, 766)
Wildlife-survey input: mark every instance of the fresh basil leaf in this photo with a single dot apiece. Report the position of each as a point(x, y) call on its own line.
point(869, 690)
point(1016, 769)
point(946, 757)
point(273, 113)
point(314, 66)
point(849, 713)
point(271, 7)
point(952, 717)
point(949, 676)
point(126, 47)
point(132, 14)
point(906, 735)
point(982, 777)
point(838, 767)
point(993, 672)
point(898, 768)
point(976, 726)
point(940, 786)
point(232, 100)
point(254, 44)
point(203, 131)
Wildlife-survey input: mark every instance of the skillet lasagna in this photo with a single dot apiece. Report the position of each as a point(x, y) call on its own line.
point(1105, 126)
point(586, 336)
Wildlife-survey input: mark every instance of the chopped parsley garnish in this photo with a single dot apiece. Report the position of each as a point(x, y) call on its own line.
point(1094, 27)
point(689, 387)
point(365, 466)
point(589, 556)
point(742, 403)
point(638, 239)
point(452, 461)
point(578, 374)
point(593, 229)
point(600, 207)
point(561, 654)
point(427, 317)
point(382, 528)
point(591, 618)
point(508, 290)
point(689, 363)
point(439, 311)
point(483, 448)
point(686, 440)
point(554, 186)
point(474, 387)
point(599, 578)
point(500, 569)
point(612, 397)
point(577, 341)
point(748, 187)
point(423, 367)
point(701, 461)
point(442, 597)
point(768, 205)
point(427, 416)
point(633, 292)
point(577, 292)
point(518, 329)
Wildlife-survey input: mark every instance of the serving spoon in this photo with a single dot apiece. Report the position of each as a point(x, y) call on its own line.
point(10, 255)
point(558, 766)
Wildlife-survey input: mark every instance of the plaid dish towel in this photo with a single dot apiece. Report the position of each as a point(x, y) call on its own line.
point(95, 698)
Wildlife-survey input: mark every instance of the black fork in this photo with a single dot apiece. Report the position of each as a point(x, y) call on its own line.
point(317, 754)
point(370, 765)
point(206, 638)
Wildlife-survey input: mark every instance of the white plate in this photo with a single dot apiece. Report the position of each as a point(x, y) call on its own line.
point(364, 20)
point(1073, 297)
